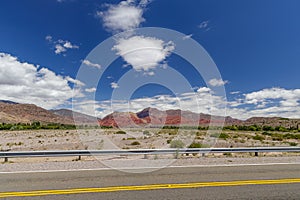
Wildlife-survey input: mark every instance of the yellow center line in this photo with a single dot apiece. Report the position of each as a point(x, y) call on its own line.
point(147, 187)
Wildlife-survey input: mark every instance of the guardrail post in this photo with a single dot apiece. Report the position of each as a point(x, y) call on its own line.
point(6, 159)
point(256, 154)
point(145, 156)
point(79, 157)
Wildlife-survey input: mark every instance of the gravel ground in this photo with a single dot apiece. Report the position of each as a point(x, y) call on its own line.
point(137, 162)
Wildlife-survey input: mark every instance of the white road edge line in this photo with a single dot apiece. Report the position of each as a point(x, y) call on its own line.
point(140, 168)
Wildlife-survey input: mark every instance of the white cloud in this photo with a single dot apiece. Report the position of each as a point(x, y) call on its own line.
point(59, 49)
point(90, 64)
point(124, 16)
point(217, 82)
point(203, 89)
point(204, 100)
point(195, 102)
point(48, 38)
point(26, 83)
point(151, 73)
point(69, 45)
point(114, 85)
point(203, 25)
point(235, 92)
point(143, 53)
point(91, 89)
point(60, 45)
point(144, 3)
point(284, 96)
point(76, 82)
point(269, 102)
point(187, 36)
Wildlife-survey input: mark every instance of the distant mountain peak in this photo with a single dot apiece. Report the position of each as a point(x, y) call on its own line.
point(8, 102)
point(156, 117)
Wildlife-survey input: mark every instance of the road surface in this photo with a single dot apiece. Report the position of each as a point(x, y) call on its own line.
point(222, 182)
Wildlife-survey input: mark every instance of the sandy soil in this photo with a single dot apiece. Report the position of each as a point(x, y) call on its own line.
point(133, 138)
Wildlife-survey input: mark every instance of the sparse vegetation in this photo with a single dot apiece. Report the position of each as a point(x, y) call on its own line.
point(135, 143)
point(258, 137)
point(120, 132)
point(176, 144)
point(195, 145)
point(147, 133)
point(266, 133)
point(293, 144)
point(34, 126)
point(223, 136)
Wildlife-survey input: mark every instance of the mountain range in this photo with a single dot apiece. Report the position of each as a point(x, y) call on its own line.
point(12, 112)
point(155, 117)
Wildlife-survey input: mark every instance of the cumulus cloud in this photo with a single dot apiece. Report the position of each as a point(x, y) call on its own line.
point(26, 83)
point(217, 82)
point(268, 102)
point(202, 100)
point(114, 85)
point(203, 90)
point(68, 45)
point(74, 81)
point(285, 97)
point(286, 104)
point(90, 64)
point(143, 53)
point(60, 46)
point(124, 16)
point(59, 49)
point(91, 89)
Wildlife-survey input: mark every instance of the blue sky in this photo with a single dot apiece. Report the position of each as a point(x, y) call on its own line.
point(255, 45)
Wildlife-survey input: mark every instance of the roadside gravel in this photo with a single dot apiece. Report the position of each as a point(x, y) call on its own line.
point(123, 163)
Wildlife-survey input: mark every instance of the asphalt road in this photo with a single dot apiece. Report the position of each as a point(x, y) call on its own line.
point(234, 182)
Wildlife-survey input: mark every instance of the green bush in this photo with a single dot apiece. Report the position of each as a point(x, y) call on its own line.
point(173, 133)
point(277, 137)
point(224, 136)
point(176, 144)
point(227, 154)
point(291, 136)
point(195, 145)
point(147, 133)
point(266, 133)
point(215, 135)
point(120, 132)
point(199, 145)
point(135, 143)
point(258, 137)
point(293, 144)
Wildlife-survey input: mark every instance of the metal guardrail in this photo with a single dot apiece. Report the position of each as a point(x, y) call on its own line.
point(62, 153)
